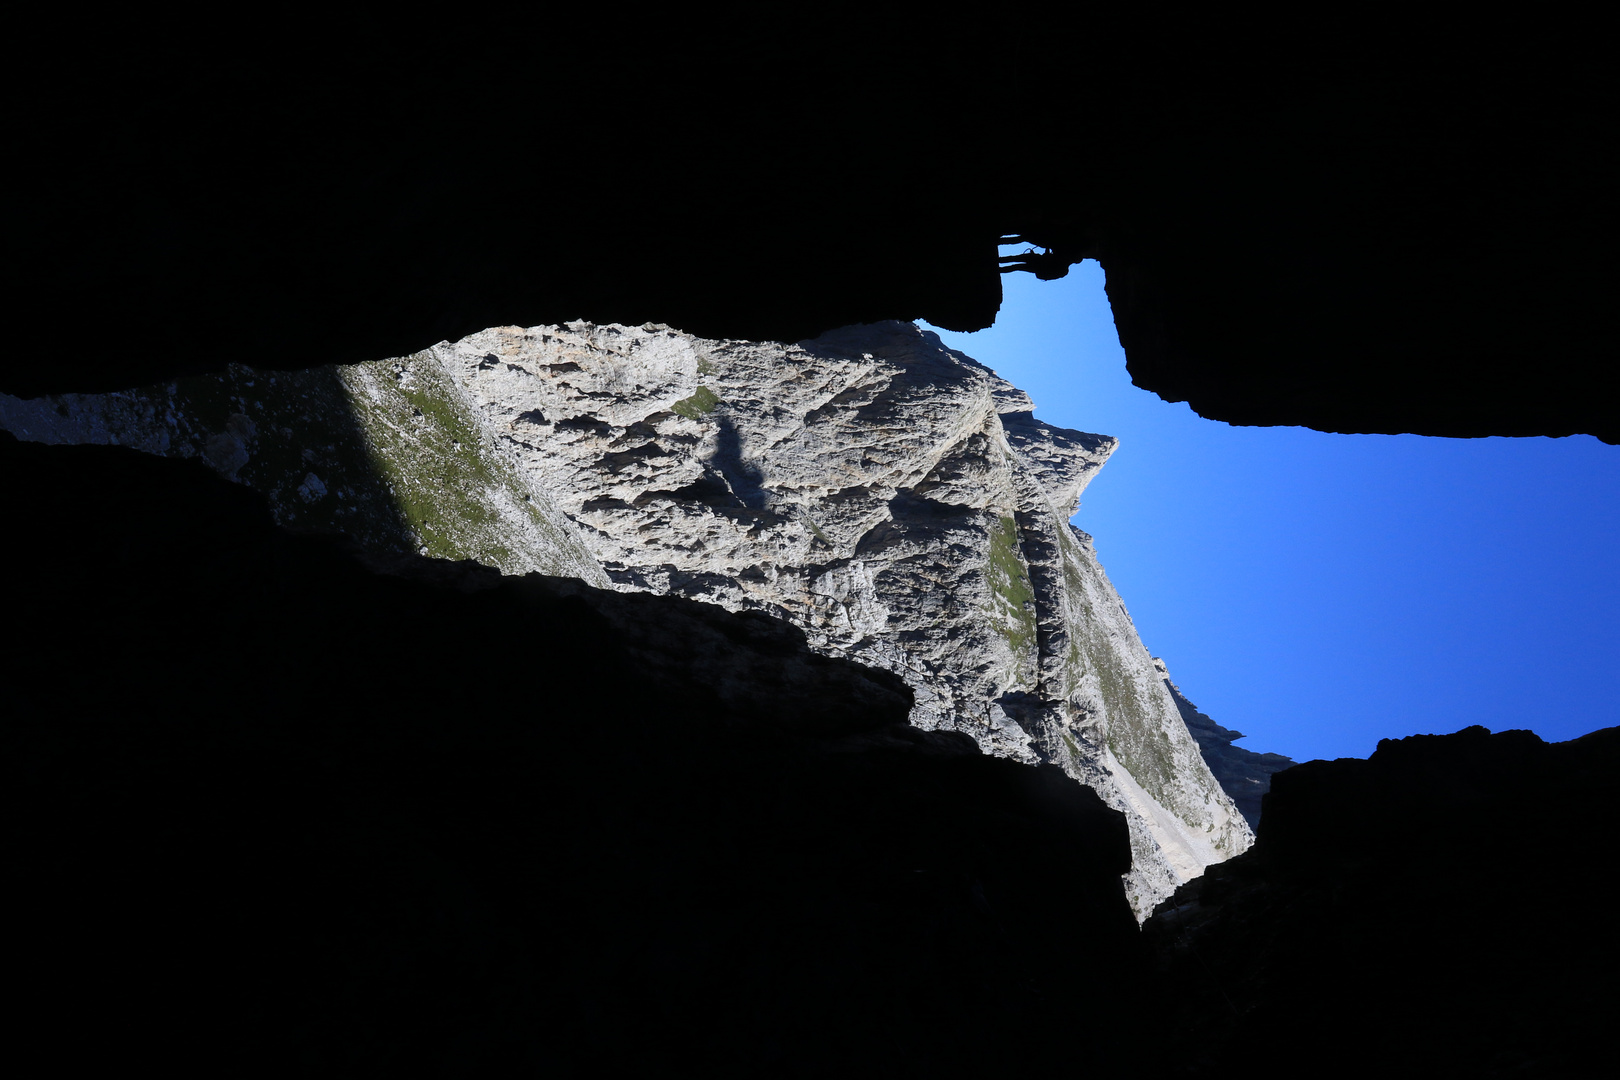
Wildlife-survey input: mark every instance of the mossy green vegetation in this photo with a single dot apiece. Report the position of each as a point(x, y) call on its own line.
point(427, 451)
point(1009, 583)
point(816, 530)
point(1136, 737)
point(1072, 557)
point(699, 405)
point(460, 497)
point(390, 453)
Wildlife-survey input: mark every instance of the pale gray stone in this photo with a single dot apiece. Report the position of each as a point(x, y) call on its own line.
point(895, 499)
point(312, 488)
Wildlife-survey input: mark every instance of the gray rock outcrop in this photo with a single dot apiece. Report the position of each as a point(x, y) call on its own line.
point(892, 497)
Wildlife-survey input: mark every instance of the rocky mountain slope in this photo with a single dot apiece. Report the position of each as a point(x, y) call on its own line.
point(893, 498)
point(396, 462)
point(1243, 774)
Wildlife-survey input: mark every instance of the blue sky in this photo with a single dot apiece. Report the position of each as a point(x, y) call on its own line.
point(1320, 592)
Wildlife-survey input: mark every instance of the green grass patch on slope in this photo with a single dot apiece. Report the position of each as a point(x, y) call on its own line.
point(1009, 581)
point(427, 450)
point(700, 404)
point(1135, 736)
point(427, 444)
point(299, 426)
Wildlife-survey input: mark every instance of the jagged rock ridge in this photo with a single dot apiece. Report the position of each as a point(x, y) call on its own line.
point(893, 498)
point(1243, 774)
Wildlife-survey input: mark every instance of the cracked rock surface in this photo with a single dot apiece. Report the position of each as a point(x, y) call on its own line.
point(893, 498)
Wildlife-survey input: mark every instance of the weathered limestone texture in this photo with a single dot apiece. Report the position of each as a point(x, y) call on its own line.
point(895, 499)
point(389, 453)
point(892, 497)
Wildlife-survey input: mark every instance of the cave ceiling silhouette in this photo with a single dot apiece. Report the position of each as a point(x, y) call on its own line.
point(1334, 223)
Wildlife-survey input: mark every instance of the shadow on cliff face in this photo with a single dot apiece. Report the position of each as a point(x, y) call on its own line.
point(743, 477)
point(292, 436)
point(273, 810)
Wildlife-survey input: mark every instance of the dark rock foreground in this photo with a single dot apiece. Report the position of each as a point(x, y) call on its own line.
point(1435, 910)
point(1328, 218)
point(272, 810)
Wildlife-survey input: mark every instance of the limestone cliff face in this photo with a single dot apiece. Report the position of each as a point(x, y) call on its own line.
point(893, 498)
point(389, 453)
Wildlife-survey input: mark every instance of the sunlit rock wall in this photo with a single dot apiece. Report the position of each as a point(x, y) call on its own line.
point(892, 497)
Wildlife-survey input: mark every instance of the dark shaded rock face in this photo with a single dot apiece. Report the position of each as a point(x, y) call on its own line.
point(1243, 774)
point(1437, 909)
point(1339, 222)
point(271, 810)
